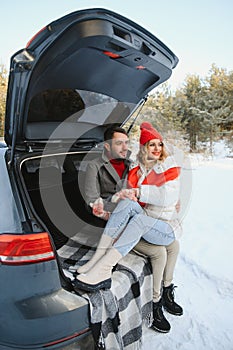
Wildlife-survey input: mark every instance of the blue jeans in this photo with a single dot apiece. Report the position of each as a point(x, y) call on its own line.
point(128, 224)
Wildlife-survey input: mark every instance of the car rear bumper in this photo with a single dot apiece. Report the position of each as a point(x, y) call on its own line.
point(41, 315)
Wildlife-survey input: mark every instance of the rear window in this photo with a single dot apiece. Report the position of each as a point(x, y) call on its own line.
point(60, 104)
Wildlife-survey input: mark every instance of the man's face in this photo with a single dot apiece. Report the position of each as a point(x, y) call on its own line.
point(118, 146)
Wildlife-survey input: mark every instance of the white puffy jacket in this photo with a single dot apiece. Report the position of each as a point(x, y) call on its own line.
point(159, 190)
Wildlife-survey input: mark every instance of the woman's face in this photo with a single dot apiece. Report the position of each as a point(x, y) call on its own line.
point(154, 148)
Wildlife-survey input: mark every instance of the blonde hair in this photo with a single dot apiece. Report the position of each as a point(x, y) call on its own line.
point(142, 155)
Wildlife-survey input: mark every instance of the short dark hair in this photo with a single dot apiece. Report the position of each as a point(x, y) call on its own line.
point(108, 134)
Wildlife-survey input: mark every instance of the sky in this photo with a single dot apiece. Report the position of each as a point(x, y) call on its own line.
point(199, 32)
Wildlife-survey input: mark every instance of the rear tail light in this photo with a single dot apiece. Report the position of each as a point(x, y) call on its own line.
point(25, 249)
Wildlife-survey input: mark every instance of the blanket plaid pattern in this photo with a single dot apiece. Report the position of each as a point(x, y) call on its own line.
point(116, 314)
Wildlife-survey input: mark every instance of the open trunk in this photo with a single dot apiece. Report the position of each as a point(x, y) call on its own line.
point(54, 186)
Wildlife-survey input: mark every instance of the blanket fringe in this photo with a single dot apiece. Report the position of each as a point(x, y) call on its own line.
point(135, 346)
point(149, 319)
point(100, 344)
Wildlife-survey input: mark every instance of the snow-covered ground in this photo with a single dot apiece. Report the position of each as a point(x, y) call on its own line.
point(204, 271)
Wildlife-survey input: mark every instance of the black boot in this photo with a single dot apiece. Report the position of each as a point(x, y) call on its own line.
point(160, 323)
point(168, 301)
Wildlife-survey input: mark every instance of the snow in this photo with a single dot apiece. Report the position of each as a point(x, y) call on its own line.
point(204, 273)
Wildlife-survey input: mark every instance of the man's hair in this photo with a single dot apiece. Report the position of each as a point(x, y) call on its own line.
point(108, 134)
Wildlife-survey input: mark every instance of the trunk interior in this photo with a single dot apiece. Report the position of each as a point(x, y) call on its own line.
point(54, 186)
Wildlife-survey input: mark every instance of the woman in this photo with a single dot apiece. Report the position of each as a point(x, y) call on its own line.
point(151, 215)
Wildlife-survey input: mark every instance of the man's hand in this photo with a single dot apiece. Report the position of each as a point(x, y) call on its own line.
point(98, 209)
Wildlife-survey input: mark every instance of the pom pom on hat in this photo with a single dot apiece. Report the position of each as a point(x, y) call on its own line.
point(148, 132)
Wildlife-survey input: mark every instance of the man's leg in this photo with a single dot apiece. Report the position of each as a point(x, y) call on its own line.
point(142, 226)
point(124, 212)
point(138, 226)
point(118, 220)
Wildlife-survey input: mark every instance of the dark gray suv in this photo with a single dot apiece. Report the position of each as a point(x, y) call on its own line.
point(78, 75)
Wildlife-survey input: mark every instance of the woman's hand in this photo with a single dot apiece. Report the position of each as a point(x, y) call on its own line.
point(136, 192)
point(178, 206)
point(123, 194)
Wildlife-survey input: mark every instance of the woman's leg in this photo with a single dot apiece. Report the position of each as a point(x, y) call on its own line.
point(158, 258)
point(172, 254)
point(168, 289)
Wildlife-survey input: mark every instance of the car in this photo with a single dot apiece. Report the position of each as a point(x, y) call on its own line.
point(80, 74)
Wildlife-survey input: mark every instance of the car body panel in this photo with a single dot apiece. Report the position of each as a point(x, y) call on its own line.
point(40, 306)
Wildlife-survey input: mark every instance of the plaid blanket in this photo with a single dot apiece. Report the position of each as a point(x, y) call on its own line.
point(117, 314)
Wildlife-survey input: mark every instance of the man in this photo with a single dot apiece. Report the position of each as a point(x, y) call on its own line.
point(107, 175)
point(106, 182)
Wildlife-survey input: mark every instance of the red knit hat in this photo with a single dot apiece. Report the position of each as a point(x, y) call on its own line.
point(148, 132)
